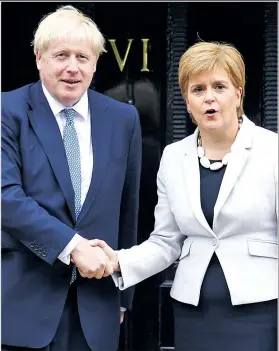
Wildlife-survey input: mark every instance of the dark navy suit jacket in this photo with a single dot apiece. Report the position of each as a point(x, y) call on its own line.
point(38, 216)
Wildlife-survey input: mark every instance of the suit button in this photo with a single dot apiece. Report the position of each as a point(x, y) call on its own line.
point(214, 242)
point(44, 254)
point(36, 247)
point(32, 244)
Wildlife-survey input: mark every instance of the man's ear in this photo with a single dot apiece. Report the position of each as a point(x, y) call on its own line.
point(38, 60)
point(95, 65)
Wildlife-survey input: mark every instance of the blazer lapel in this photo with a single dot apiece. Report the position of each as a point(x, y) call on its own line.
point(240, 153)
point(192, 178)
point(48, 133)
point(101, 132)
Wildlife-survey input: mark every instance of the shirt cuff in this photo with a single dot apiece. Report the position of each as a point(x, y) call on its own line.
point(117, 279)
point(65, 254)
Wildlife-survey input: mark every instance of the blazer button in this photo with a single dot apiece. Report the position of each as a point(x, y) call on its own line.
point(214, 242)
point(36, 247)
point(44, 254)
point(32, 244)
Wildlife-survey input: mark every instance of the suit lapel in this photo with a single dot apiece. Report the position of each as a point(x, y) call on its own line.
point(101, 131)
point(240, 153)
point(192, 179)
point(48, 133)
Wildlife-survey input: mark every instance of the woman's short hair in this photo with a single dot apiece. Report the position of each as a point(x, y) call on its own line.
point(205, 56)
point(70, 24)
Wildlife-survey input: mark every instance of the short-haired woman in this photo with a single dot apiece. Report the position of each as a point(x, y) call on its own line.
point(216, 213)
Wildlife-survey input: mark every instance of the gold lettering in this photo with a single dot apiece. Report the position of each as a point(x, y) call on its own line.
point(145, 57)
point(121, 63)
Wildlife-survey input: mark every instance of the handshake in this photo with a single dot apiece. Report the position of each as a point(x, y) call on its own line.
point(94, 259)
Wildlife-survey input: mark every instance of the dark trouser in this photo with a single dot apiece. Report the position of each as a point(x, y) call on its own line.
point(69, 335)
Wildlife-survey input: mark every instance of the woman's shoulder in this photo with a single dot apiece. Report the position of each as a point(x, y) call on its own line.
point(267, 136)
point(182, 145)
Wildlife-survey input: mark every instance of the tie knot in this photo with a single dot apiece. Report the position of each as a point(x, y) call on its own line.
point(70, 115)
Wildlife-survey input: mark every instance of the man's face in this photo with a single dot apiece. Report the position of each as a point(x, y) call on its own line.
point(66, 69)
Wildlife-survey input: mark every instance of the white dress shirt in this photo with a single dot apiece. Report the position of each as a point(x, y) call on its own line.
point(83, 129)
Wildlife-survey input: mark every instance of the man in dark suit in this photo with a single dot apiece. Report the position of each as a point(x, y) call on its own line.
point(71, 161)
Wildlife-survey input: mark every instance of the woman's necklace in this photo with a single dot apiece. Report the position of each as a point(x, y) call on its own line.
point(204, 161)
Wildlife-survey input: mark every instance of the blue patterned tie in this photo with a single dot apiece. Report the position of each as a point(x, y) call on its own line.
point(72, 150)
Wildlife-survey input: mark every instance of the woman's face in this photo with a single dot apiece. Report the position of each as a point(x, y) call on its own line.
point(213, 100)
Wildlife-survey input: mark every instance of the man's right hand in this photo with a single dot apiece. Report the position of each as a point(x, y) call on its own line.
point(91, 262)
point(112, 254)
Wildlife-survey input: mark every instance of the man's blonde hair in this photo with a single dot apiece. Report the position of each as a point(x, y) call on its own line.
point(68, 23)
point(205, 56)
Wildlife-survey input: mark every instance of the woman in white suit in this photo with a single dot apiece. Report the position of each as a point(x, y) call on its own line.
point(216, 213)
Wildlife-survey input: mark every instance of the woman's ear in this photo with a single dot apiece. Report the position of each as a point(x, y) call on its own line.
point(239, 93)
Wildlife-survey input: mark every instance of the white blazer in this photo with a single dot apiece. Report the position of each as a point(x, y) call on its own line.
point(244, 234)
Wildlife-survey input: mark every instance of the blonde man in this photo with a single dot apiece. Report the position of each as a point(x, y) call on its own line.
point(217, 214)
point(71, 162)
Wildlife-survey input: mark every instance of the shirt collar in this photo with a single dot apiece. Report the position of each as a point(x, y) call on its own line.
point(81, 107)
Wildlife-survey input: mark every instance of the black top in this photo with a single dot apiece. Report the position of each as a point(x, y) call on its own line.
point(210, 182)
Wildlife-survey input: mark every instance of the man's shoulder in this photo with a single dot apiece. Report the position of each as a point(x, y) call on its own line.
point(21, 91)
point(16, 98)
point(14, 105)
point(109, 101)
